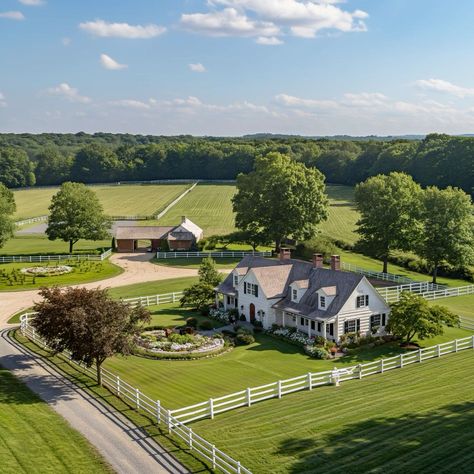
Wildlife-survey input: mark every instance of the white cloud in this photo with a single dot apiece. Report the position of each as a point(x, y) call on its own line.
point(3, 102)
point(66, 41)
point(365, 99)
point(121, 30)
point(110, 63)
point(269, 40)
point(293, 101)
point(440, 85)
point(69, 93)
point(197, 67)
point(227, 22)
point(300, 18)
point(132, 104)
point(12, 15)
point(32, 3)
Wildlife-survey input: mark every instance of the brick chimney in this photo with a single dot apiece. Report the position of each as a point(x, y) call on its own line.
point(285, 254)
point(317, 260)
point(335, 262)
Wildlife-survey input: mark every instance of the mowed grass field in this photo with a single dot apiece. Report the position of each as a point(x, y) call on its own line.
point(117, 200)
point(181, 383)
point(418, 419)
point(461, 305)
point(33, 438)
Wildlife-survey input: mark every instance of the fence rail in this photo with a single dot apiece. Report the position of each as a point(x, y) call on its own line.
point(377, 275)
point(251, 395)
point(154, 300)
point(141, 402)
point(392, 295)
point(226, 254)
point(31, 220)
point(54, 258)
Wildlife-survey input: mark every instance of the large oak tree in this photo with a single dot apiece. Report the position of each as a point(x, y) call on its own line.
point(7, 208)
point(280, 199)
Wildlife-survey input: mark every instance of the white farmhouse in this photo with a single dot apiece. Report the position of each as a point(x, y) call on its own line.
point(304, 295)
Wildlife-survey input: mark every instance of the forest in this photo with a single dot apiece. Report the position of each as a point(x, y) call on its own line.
point(50, 159)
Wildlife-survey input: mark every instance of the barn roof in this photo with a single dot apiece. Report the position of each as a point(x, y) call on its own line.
point(141, 232)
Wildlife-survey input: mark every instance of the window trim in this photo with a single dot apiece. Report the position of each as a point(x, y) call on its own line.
point(294, 294)
point(322, 302)
point(356, 322)
point(362, 301)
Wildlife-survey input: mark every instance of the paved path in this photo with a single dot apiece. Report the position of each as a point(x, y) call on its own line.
point(137, 269)
point(128, 449)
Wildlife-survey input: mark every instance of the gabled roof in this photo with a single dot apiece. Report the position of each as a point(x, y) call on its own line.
point(329, 290)
point(141, 232)
point(190, 226)
point(302, 284)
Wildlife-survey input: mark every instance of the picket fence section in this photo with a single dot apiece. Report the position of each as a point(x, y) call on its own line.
point(141, 402)
point(154, 300)
point(54, 258)
point(249, 396)
point(392, 293)
point(226, 254)
point(377, 275)
point(31, 220)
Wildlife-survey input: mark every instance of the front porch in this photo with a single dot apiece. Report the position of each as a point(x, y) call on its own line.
point(311, 327)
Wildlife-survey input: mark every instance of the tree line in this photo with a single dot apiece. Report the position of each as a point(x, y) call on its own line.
point(51, 159)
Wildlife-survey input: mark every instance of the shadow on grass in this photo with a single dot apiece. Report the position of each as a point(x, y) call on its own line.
point(437, 441)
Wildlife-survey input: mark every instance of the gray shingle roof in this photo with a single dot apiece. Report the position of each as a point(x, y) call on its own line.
point(142, 232)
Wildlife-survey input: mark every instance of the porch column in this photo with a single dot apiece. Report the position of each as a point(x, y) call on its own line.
point(283, 319)
point(309, 327)
point(324, 329)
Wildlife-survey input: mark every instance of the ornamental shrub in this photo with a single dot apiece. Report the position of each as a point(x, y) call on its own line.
point(192, 322)
point(205, 325)
point(243, 339)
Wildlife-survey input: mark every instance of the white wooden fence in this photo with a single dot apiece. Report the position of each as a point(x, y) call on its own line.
point(392, 293)
point(249, 396)
point(31, 220)
point(377, 275)
point(154, 300)
point(54, 258)
point(141, 402)
point(225, 254)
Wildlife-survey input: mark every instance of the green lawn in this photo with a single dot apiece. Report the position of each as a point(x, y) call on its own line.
point(83, 272)
point(152, 287)
point(180, 383)
point(461, 305)
point(418, 419)
point(33, 438)
point(39, 244)
point(207, 205)
point(117, 200)
point(170, 315)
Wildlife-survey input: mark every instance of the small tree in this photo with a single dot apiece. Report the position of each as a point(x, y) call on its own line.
point(76, 213)
point(412, 315)
point(448, 228)
point(88, 323)
point(7, 208)
point(201, 295)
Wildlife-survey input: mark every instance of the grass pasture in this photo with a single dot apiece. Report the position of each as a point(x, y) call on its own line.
point(461, 305)
point(33, 438)
point(418, 419)
point(125, 199)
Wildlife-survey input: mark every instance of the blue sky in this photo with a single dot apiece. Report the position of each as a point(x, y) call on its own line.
point(230, 67)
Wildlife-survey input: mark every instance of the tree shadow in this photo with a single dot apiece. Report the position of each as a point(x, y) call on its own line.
point(437, 441)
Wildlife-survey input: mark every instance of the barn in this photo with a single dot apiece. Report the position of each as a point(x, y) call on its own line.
point(139, 238)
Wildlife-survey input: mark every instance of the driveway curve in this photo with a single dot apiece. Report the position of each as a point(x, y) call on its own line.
point(137, 269)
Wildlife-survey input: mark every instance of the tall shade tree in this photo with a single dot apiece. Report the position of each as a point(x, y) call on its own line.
point(413, 316)
point(389, 206)
point(52, 167)
point(88, 324)
point(280, 198)
point(7, 208)
point(76, 213)
point(16, 169)
point(448, 228)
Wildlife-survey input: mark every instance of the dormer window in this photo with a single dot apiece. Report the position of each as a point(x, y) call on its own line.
point(362, 301)
point(322, 302)
point(236, 280)
point(294, 294)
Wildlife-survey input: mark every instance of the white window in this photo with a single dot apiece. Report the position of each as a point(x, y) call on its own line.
point(236, 280)
point(362, 301)
point(377, 320)
point(251, 289)
point(352, 325)
point(293, 318)
point(322, 301)
point(294, 295)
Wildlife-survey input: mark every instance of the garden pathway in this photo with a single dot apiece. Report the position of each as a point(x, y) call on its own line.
point(137, 269)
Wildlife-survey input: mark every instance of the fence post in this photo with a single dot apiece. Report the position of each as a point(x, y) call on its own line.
point(238, 467)
point(168, 412)
point(279, 388)
point(401, 361)
point(118, 385)
point(249, 397)
point(472, 341)
point(158, 411)
point(174, 297)
point(310, 381)
point(211, 408)
point(420, 356)
point(138, 398)
point(213, 457)
point(381, 366)
point(360, 371)
point(190, 438)
point(438, 350)
point(455, 345)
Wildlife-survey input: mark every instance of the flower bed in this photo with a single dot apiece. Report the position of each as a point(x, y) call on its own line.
point(162, 345)
point(47, 271)
point(220, 315)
